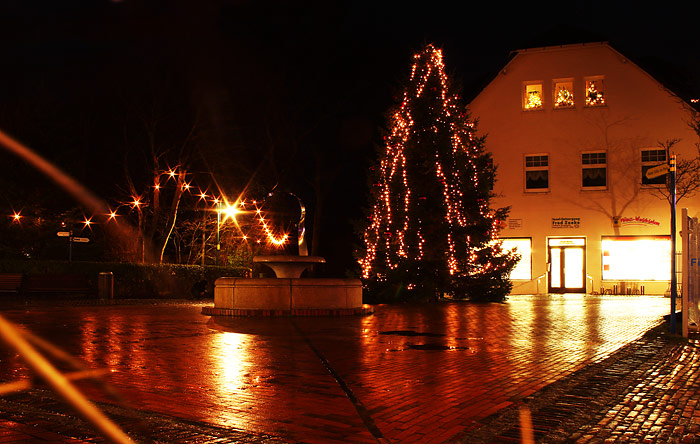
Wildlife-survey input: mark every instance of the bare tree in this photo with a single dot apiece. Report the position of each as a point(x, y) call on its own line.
point(687, 174)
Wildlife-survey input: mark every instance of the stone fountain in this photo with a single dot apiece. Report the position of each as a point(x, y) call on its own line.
point(288, 294)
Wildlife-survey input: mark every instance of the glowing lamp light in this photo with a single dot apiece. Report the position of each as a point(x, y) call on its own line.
point(230, 212)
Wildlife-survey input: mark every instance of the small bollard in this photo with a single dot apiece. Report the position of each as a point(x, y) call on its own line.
point(105, 285)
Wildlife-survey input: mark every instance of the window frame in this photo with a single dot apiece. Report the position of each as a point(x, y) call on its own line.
point(597, 165)
point(572, 85)
point(647, 164)
point(527, 168)
point(527, 256)
point(614, 276)
point(604, 93)
point(524, 97)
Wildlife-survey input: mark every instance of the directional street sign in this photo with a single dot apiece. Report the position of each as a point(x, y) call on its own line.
point(658, 170)
point(81, 239)
point(63, 233)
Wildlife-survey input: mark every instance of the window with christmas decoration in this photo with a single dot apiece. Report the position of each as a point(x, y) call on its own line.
point(537, 172)
point(431, 232)
point(650, 159)
point(563, 94)
point(595, 92)
point(594, 170)
point(532, 96)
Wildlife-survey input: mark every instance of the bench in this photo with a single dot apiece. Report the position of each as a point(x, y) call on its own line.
point(55, 283)
point(10, 282)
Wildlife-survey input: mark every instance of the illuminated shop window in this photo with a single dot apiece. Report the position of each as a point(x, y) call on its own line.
point(650, 159)
point(595, 92)
point(537, 172)
point(523, 247)
point(643, 258)
point(532, 98)
point(563, 94)
point(594, 170)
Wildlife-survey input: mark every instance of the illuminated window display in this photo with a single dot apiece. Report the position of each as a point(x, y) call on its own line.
point(643, 258)
point(523, 270)
point(595, 92)
point(533, 97)
point(564, 94)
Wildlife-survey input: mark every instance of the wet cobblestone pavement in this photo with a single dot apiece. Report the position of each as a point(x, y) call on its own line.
point(452, 372)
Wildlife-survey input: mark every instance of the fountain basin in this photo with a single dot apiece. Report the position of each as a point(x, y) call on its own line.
point(287, 296)
point(286, 266)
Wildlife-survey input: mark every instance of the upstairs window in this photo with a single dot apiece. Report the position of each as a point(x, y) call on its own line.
point(595, 91)
point(537, 172)
point(563, 94)
point(594, 170)
point(650, 159)
point(532, 97)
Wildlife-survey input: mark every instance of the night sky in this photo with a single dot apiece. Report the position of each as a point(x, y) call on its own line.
point(275, 88)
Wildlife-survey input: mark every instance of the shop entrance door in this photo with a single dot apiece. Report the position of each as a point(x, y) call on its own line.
point(567, 265)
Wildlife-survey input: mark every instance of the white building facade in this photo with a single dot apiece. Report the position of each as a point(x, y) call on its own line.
point(573, 130)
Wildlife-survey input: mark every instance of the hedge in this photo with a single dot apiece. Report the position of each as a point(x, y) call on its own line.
point(133, 281)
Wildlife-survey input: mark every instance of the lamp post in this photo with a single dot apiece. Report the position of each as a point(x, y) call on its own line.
point(674, 288)
point(218, 227)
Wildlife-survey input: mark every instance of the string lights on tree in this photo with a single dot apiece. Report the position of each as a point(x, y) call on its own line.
point(431, 231)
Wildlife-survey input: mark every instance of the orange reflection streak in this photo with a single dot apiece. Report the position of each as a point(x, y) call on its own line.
point(89, 337)
point(232, 373)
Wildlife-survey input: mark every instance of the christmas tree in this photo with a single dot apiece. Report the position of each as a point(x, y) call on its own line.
point(431, 232)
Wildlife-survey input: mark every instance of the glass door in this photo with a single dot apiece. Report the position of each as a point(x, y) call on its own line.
point(567, 265)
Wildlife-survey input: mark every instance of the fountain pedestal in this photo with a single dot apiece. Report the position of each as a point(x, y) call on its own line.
point(288, 294)
point(288, 266)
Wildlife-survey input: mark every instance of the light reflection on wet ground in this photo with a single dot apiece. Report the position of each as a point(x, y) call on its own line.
point(418, 371)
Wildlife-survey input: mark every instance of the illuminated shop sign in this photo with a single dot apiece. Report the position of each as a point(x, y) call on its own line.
point(566, 242)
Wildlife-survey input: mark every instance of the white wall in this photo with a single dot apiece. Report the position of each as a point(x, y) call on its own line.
point(638, 114)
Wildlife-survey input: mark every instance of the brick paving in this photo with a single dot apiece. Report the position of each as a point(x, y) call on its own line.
point(452, 372)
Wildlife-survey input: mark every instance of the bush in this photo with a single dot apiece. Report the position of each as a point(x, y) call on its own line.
point(133, 281)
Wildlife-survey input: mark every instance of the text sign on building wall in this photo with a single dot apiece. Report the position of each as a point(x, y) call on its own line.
point(566, 222)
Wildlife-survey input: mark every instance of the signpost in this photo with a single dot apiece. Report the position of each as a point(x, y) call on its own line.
point(71, 239)
point(674, 289)
point(651, 173)
point(658, 170)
